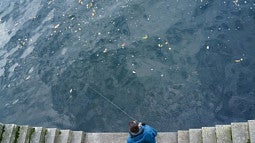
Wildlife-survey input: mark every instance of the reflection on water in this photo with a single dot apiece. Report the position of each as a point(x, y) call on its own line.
point(172, 64)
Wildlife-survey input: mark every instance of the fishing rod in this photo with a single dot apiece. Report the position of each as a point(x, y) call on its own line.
point(115, 105)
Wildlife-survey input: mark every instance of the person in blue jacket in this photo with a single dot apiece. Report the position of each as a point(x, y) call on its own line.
point(141, 133)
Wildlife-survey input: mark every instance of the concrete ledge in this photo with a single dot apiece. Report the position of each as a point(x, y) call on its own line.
point(167, 136)
point(223, 134)
point(78, 137)
point(209, 135)
point(9, 133)
point(38, 135)
point(64, 136)
point(51, 135)
point(243, 132)
point(183, 136)
point(240, 132)
point(105, 137)
point(251, 124)
point(24, 134)
point(195, 136)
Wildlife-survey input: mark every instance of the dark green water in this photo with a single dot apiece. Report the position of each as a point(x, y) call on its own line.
point(174, 64)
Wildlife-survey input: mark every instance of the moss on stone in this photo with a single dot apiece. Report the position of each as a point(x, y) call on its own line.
point(30, 135)
point(1, 136)
point(17, 134)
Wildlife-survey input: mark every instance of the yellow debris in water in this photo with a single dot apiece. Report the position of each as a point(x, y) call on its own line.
point(89, 5)
point(93, 12)
point(145, 37)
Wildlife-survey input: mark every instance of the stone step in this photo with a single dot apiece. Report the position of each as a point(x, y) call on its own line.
point(106, 137)
point(1, 130)
point(64, 136)
point(51, 135)
point(209, 135)
point(38, 135)
point(170, 137)
point(183, 136)
point(77, 137)
point(9, 133)
point(251, 124)
point(24, 135)
point(223, 134)
point(195, 136)
point(240, 132)
point(243, 132)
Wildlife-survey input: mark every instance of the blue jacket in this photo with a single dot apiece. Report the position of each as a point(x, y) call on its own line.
point(147, 135)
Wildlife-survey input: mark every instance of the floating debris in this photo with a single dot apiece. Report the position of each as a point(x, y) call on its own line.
point(93, 12)
point(145, 37)
point(236, 2)
point(160, 45)
point(123, 45)
point(27, 78)
point(89, 5)
point(56, 26)
point(79, 1)
point(207, 47)
point(134, 72)
point(239, 60)
point(105, 50)
point(16, 101)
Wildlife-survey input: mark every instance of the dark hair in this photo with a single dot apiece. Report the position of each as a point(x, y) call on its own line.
point(133, 127)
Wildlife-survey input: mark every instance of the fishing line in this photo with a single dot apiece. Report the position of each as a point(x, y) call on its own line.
point(115, 105)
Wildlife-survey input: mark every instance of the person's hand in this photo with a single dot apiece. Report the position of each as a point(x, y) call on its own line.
point(139, 124)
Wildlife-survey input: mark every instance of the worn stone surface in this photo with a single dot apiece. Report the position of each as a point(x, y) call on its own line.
point(183, 136)
point(170, 137)
point(235, 133)
point(195, 136)
point(38, 135)
point(223, 134)
point(51, 135)
point(251, 124)
point(9, 133)
point(78, 137)
point(240, 133)
point(24, 134)
point(106, 137)
point(209, 134)
point(64, 136)
point(1, 128)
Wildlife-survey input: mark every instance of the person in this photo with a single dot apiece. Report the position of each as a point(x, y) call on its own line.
point(141, 133)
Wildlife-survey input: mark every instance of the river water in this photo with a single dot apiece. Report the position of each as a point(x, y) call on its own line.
point(92, 65)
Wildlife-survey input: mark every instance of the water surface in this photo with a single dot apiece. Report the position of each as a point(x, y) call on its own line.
point(174, 64)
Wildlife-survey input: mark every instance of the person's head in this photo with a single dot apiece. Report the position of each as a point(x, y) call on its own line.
point(133, 127)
